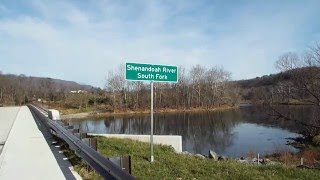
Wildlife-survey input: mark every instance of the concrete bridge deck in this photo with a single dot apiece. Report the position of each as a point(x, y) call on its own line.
point(7, 117)
point(27, 152)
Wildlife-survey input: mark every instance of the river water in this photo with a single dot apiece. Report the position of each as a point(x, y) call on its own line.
point(232, 133)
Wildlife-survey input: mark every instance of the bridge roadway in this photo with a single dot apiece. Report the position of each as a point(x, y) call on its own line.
point(26, 150)
point(7, 117)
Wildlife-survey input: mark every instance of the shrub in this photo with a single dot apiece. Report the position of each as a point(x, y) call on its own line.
point(316, 140)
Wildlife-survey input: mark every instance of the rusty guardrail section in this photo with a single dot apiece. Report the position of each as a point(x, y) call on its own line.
point(102, 165)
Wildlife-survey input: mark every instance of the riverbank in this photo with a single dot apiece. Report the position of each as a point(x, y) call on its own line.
point(171, 165)
point(97, 115)
point(308, 155)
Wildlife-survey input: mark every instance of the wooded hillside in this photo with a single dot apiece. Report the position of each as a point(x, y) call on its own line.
point(21, 89)
point(197, 87)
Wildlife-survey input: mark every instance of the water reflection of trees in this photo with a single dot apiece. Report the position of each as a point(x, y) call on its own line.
point(200, 131)
point(266, 116)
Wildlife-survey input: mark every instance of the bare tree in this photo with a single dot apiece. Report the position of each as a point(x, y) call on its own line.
point(77, 100)
point(287, 61)
point(315, 54)
point(302, 84)
point(197, 74)
point(197, 87)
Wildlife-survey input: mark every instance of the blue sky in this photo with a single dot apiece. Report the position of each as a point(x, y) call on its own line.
point(82, 40)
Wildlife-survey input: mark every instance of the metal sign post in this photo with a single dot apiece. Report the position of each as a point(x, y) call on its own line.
point(151, 132)
point(151, 73)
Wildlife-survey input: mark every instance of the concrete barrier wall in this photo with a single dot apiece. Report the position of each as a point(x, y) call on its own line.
point(172, 140)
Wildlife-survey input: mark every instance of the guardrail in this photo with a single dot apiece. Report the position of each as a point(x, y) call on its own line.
point(102, 165)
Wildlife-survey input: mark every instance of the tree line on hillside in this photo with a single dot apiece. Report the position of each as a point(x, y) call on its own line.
point(303, 86)
point(297, 83)
point(20, 89)
point(198, 87)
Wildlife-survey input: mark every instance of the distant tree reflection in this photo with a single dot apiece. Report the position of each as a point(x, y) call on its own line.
point(200, 131)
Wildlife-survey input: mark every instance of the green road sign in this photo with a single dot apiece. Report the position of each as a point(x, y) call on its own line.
point(151, 72)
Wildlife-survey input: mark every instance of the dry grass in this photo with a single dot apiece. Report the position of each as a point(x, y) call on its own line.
point(310, 157)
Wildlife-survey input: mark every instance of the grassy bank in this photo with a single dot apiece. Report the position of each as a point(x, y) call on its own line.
point(170, 165)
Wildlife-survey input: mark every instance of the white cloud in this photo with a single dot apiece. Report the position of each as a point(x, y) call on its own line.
point(69, 42)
